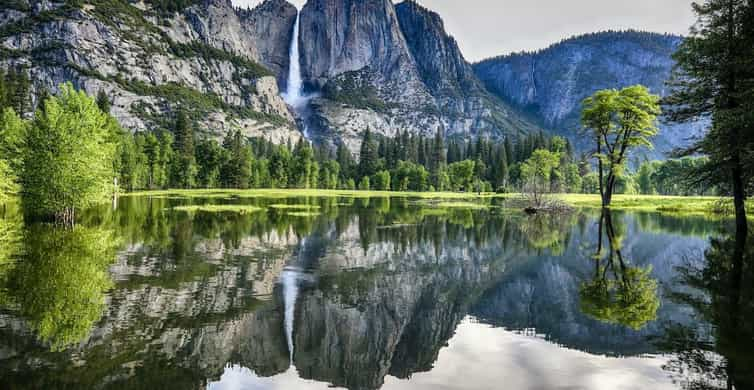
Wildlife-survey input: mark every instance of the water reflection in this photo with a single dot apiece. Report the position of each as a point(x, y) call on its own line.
point(717, 352)
point(355, 293)
point(618, 293)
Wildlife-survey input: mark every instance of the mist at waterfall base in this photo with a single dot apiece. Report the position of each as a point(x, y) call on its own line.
point(294, 94)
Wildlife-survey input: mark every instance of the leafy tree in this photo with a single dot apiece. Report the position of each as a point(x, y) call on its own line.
point(364, 184)
point(8, 184)
point(714, 79)
point(536, 173)
point(409, 176)
point(645, 173)
point(461, 175)
point(381, 181)
point(573, 179)
point(12, 131)
point(619, 121)
point(134, 170)
point(68, 157)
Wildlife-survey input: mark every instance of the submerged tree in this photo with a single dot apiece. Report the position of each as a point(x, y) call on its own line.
point(68, 157)
point(618, 121)
point(536, 174)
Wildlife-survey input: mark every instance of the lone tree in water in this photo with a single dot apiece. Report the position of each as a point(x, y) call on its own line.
point(68, 157)
point(715, 79)
point(619, 121)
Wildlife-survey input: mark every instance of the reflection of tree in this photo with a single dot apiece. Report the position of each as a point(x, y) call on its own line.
point(548, 231)
point(618, 293)
point(721, 291)
point(60, 283)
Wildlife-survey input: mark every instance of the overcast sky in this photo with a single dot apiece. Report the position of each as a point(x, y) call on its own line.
point(486, 28)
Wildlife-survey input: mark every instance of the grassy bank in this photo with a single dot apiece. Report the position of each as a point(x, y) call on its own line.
point(653, 203)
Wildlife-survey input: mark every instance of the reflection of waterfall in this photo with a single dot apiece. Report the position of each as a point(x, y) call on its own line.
point(294, 93)
point(289, 279)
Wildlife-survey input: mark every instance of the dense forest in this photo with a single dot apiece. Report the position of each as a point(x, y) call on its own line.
point(180, 157)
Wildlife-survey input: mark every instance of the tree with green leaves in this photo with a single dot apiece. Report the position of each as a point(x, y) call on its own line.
point(381, 181)
point(714, 79)
point(461, 175)
point(68, 157)
point(536, 174)
point(618, 122)
point(12, 133)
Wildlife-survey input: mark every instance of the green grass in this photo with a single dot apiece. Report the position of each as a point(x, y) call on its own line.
point(297, 193)
point(303, 214)
point(699, 205)
point(462, 205)
point(211, 208)
point(306, 207)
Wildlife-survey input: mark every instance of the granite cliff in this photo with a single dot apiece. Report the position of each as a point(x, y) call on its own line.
point(550, 85)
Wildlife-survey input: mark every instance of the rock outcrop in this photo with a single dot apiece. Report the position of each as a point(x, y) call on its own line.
point(270, 26)
point(393, 68)
point(204, 59)
point(551, 84)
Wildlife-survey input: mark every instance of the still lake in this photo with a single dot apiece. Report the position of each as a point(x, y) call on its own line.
point(369, 293)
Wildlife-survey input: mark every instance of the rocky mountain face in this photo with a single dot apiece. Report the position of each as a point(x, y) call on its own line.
point(207, 59)
point(366, 64)
point(550, 84)
point(393, 68)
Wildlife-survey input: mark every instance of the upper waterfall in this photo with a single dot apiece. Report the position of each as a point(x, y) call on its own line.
point(294, 93)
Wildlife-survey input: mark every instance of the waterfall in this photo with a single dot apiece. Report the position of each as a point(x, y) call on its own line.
point(294, 92)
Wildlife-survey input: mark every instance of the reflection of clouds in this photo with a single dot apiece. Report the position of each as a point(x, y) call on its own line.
point(241, 378)
point(483, 357)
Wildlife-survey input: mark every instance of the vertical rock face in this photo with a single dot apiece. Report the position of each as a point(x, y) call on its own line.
point(340, 36)
point(467, 107)
point(552, 83)
point(270, 26)
point(393, 68)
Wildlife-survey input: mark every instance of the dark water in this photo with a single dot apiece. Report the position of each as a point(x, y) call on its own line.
point(372, 293)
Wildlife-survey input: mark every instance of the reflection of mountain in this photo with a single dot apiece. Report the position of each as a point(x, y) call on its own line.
point(543, 294)
point(389, 285)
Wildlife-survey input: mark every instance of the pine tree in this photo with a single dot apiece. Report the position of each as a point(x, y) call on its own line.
point(715, 79)
point(368, 157)
point(103, 101)
point(184, 168)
